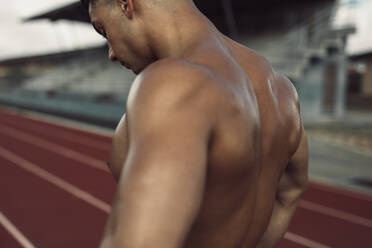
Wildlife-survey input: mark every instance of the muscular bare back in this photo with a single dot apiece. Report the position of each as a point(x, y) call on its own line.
point(257, 133)
point(211, 152)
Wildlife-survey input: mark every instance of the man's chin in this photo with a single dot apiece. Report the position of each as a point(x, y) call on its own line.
point(126, 65)
point(135, 70)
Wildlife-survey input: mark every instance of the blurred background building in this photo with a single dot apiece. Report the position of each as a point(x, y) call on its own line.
point(302, 40)
point(359, 90)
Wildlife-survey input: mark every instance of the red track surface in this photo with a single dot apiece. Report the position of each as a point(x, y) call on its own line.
point(56, 192)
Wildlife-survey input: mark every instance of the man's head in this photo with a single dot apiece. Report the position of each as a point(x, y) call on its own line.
point(130, 26)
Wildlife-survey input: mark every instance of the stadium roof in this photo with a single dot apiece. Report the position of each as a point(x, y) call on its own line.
point(72, 12)
point(362, 55)
point(46, 58)
point(75, 11)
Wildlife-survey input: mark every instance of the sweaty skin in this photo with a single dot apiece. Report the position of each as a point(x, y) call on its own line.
point(257, 158)
point(211, 152)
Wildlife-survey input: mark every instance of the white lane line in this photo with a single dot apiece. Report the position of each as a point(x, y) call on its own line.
point(74, 138)
point(106, 208)
point(59, 182)
point(304, 241)
point(62, 184)
point(66, 135)
point(12, 229)
point(339, 189)
point(104, 132)
point(58, 149)
point(336, 213)
point(58, 121)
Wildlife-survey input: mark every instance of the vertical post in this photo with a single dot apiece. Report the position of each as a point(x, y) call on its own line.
point(230, 18)
point(341, 81)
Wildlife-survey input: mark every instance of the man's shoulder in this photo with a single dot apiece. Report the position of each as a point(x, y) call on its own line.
point(288, 90)
point(176, 79)
point(176, 71)
point(173, 92)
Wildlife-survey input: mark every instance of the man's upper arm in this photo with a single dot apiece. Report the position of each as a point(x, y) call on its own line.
point(119, 149)
point(298, 165)
point(295, 178)
point(162, 183)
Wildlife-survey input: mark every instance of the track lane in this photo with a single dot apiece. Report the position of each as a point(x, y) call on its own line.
point(20, 162)
point(65, 186)
point(328, 230)
point(326, 200)
point(299, 240)
point(49, 216)
point(73, 142)
point(97, 182)
point(55, 180)
point(341, 190)
point(347, 204)
point(7, 237)
point(355, 206)
point(54, 148)
point(285, 243)
point(346, 216)
point(30, 119)
point(56, 134)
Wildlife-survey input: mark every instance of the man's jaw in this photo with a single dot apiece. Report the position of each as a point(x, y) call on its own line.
point(125, 65)
point(136, 70)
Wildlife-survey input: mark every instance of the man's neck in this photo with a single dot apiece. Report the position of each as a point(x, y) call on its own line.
point(180, 32)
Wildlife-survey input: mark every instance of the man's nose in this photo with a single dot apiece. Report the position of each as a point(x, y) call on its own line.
point(112, 55)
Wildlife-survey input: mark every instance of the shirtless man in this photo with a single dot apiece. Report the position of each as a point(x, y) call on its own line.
point(211, 152)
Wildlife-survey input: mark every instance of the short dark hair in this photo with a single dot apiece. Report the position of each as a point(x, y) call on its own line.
point(86, 3)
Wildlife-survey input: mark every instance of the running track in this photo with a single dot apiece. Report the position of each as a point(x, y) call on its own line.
point(55, 191)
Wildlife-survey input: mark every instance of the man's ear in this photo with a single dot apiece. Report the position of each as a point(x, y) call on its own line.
point(127, 7)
